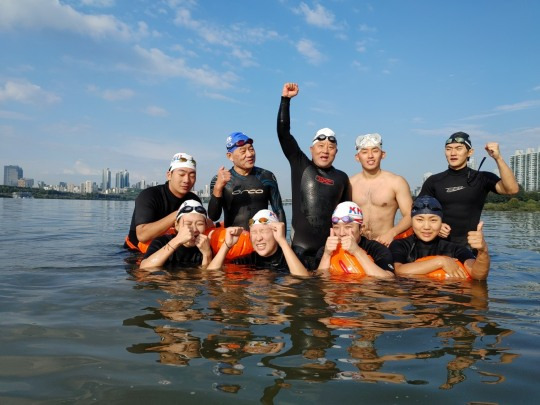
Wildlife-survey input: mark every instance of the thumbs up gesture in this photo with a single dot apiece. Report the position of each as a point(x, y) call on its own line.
point(476, 238)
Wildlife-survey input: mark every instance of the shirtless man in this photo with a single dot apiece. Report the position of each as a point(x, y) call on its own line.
point(379, 193)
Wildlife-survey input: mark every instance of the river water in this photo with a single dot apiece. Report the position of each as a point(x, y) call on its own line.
point(79, 326)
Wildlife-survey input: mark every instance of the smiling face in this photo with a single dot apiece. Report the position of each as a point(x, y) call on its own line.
point(181, 181)
point(426, 227)
point(196, 222)
point(262, 239)
point(243, 158)
point(456, 155)
point(323, 153)
point(370, 158)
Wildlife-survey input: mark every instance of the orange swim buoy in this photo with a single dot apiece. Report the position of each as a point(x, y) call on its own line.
point(342, 262)
point(242, 248)
point(406, 233)
point(143, 246)
point(440, 274)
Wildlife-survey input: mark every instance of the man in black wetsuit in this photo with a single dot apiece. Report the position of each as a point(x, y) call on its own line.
point(156, 207)
point(317, 187)
point(244, 189)
point(463, 191)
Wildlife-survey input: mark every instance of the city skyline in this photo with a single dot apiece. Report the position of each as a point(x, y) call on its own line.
point(90, 84)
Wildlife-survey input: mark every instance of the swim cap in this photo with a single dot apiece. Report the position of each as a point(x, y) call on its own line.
point(263, 217)
point(368, 141)
point(460, 137)
point(346, 212)
point(323, 134)
point(426, 205)
point(182, 160)
point(237, 139)
point(190, 206)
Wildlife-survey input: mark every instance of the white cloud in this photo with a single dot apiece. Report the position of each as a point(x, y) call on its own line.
point(518, 106)
point(318, 16)
point(12, 115)
point(23, 91)
point(158, 63)
point(98, 3)
point(119, 94)
point(537, 88)
point(308, 49)
point(81, 168)
point(156, 111)
point(361, 46)
point(366, 28)
point(53, 15)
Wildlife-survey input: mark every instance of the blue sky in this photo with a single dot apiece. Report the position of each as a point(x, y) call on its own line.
point(90, 84)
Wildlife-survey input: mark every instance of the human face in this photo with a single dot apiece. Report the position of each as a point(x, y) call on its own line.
point(195, 222)
point(352, 228)
point(370, 158)
point(426, 227)
point(456, 155)
point(323, 153)
point(181, 181)
point(243, 158)
point(262, 239)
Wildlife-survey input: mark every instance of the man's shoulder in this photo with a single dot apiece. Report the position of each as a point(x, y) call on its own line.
point(151, 191)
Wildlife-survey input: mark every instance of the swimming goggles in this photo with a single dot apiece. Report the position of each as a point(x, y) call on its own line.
point(259, 221)
point(182, 159)
point(188, 208)
point(346, 220)
point(420, 205)
point(323, 137)
point(240, 143)
point(459, 139)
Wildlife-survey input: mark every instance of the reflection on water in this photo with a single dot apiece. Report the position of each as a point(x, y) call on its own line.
point(415, 332)
point(77, 328)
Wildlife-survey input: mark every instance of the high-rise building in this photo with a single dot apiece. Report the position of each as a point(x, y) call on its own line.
point(526, 168)
point(12, 174)
point(106, 179)
point(122, 179)
point(471, 163)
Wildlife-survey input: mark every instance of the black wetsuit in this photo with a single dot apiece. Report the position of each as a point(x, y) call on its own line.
point(244, 196)
point(315, 192)
point(275, 262)
point(182, 256)
point(462, 194)
point(410, 249)
point(379, 253)
point(153, 204)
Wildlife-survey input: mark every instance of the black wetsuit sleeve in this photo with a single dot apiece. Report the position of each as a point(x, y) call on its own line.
point(381, 254)
point(157, 244)
point(288, 144)
point(275, 198)
point(463, 254)
point(347, 192)
point(215, 205)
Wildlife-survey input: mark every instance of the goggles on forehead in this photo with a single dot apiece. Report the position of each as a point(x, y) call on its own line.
point(419, 205)
point(323, 137)
point(240, 143)
point(346, 220)
point(459, 139)
point(258, 221)
point(188, 208)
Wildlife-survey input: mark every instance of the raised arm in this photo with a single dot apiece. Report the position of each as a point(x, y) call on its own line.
point(508, 183)
point(286, 140)
point(232, 234)
point(217, 184)
point(479, 268)
point(295, 265)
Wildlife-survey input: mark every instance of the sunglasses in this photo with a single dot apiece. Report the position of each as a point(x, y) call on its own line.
point(421, 205)
point(322, 137)
point(346, 220)
point(240, 143)
point(459, 139)
point(258, 221)
point(188, 208)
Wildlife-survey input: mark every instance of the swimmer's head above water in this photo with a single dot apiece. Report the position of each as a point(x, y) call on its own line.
point(324, 148)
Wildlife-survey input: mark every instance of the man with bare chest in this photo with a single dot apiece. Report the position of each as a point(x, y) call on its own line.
point(379, 193)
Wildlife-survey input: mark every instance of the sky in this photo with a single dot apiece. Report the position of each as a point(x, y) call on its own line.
point(125, 84)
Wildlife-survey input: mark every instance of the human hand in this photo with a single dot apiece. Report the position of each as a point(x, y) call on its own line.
point(232, 234)
point(348, 243)
point(289, 90)
point(386, 238)
point(278, 230)
point(185, 234)
point(476, 238)
point(492, 148)
point(203, 244)
point(445, 231)
point(332, 243)
point(223, 177)
point(451, 268)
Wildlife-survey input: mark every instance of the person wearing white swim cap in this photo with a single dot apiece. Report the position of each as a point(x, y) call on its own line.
point(379, 193)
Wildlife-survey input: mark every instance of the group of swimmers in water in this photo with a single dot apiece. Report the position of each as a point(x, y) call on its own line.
point(340, 225)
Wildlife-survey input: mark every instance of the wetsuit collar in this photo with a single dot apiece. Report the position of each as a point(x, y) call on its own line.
point(459, 171)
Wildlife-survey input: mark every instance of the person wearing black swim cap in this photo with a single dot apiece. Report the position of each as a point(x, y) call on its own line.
point(462, 191)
